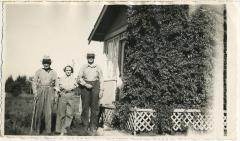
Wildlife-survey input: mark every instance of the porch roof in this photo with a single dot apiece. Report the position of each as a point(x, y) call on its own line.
point(104, 21)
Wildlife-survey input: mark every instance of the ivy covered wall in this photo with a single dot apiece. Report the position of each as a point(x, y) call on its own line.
point(169, 61)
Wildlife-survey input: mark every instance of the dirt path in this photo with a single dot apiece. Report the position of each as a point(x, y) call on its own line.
point(77, 130)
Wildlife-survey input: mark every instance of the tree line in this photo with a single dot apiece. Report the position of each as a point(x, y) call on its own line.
point(20, 85)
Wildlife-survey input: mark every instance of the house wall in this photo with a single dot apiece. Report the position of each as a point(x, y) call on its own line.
point(109, 92)
point(111, 49)
point(112, 41)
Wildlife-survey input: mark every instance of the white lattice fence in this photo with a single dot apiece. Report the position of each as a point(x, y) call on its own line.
point(141, 120)
point(107, 114)
point(194, 118)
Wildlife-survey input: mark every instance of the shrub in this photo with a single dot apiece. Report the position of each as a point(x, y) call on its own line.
point(168, 61)
point(9, 84)
point(16, 89)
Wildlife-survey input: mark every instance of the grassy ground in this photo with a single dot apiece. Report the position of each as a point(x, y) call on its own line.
point(18, 114)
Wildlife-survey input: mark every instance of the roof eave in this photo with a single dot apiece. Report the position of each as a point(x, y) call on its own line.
point(97, 23)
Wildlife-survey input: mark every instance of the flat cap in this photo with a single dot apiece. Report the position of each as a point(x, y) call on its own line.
point(89, 55)
point(46, 60)
point(45, 57)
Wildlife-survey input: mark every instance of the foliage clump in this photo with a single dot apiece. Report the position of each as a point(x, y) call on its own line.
point(18, 86)
point(168, 61)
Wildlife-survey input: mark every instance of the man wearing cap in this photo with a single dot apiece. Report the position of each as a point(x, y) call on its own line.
point(44, 82)
point(91, 78)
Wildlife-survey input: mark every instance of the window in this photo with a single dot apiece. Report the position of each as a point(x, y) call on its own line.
point(113, 48)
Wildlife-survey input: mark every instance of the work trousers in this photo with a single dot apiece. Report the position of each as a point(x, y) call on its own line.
point(65, 112)
point(43, 110)
point(90, 101)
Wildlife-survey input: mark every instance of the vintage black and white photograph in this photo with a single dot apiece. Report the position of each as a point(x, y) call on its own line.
point(80, 69)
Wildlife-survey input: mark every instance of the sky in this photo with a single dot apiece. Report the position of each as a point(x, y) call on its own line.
point(58, 30)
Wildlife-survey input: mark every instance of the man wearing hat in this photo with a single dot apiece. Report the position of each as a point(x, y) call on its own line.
point(91, 78)
point(43, 89)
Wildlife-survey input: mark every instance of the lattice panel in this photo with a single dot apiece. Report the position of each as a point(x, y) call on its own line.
point(141, 120)
point(191, 118)
point(177, 119)
point(107, 115)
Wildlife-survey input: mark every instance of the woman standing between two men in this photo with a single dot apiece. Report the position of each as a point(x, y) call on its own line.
point(90, 77)
point(91, 80)
point(65, 110)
